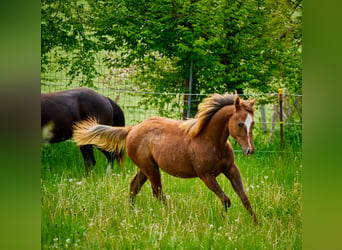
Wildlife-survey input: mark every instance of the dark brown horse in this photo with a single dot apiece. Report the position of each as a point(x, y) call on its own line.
point(186, 149)
point(60, 110)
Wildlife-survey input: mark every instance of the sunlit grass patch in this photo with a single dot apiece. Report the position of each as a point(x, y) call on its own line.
point(95, 213)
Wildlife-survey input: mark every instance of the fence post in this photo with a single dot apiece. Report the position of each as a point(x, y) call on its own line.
point(190, 91)
point(280, 95)
point(263, 118)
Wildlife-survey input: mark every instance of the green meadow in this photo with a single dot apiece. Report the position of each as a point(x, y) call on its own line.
point(95, 212)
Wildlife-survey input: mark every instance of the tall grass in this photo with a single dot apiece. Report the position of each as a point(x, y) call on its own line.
point(95, 213)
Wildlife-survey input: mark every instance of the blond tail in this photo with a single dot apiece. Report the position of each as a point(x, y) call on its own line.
point(111, 139)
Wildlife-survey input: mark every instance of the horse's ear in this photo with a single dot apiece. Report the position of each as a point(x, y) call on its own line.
point(252, 102)
point(237, 102)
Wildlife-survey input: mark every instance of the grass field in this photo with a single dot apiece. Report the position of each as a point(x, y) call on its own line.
point(95, 213)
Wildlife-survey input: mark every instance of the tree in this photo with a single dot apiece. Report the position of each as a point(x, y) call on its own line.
point(232, 45)
point(63, 33)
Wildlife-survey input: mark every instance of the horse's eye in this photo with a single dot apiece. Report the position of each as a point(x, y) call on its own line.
point(240, 124)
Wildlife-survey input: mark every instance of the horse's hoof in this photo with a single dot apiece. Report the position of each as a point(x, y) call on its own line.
point(224, 213)
point(256, 222)
point(227, 204)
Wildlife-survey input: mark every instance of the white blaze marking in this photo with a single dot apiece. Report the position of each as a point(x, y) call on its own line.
point(248, 123)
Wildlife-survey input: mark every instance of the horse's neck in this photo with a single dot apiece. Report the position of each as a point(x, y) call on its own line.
point(217, 128)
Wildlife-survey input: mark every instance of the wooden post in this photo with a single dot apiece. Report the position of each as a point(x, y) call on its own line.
point(274, 119)
point(280, 95)
point(263, 118)
point(187, 96)
point(185, 100)
point(286, 105)
point(190, 91)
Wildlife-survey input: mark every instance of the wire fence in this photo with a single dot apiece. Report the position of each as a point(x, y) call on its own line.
point(136, 104)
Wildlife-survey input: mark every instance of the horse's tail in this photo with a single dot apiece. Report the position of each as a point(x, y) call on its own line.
point(111, 139)
point(118, 114)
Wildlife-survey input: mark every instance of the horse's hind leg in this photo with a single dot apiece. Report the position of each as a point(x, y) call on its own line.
point(233, 174)
point(155, 179)
point(110, 159)
point(89, 159)
point(212, 184)
point(151, 170)
point(136, 184)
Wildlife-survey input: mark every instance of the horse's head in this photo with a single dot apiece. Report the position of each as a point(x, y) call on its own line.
point(241, 125)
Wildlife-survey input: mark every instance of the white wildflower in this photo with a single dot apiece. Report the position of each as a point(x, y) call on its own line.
point(123, 223)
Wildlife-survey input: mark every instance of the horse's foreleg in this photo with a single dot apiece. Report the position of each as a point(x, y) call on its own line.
point(212, 184)
point(89, 159)
point(136, 184)
point(233, 174)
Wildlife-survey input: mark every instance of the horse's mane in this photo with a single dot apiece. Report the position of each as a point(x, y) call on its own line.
point(206, 110)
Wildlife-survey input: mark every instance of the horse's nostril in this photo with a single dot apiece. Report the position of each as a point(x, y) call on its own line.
point(249, 151)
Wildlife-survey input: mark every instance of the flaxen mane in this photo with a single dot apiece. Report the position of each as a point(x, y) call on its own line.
point(207, 109)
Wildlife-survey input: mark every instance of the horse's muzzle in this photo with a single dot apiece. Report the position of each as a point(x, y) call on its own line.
point(248, 151)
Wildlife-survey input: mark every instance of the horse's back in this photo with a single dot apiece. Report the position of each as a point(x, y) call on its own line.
point(64, 108)
point(96, 105)
point(151, 131)
point(118, 114)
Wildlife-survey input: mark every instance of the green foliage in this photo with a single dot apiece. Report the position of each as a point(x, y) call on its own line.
point(64, 33)
point(233, 45)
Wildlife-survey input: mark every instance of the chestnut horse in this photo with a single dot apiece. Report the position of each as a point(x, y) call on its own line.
point(186, 149)
point(60, 110)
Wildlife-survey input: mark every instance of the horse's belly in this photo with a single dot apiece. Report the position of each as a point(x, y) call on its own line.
point(181, 174)
point(170, 152)
point(175, 163)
